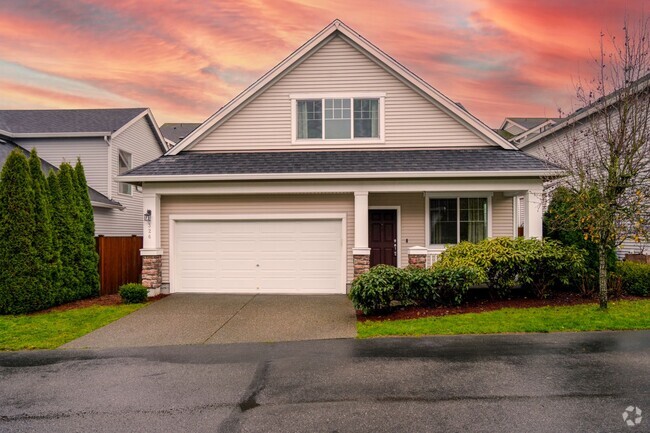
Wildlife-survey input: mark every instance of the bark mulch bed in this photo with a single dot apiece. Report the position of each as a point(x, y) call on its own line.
point(483, 305)
point(104, 301)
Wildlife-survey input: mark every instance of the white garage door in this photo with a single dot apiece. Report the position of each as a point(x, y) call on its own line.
point(283, 256)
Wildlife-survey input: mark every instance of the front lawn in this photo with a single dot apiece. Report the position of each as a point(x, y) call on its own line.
point(587, 317)
point(51, 329)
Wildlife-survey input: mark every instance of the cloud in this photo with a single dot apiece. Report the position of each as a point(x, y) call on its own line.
point(187, 59)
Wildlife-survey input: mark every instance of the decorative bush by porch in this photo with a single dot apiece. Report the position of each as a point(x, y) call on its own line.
point(635, 277)
point(47, 246)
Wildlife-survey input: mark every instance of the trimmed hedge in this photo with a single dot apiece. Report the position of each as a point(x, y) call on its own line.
point(133, 293)
point(635, 277)
point(382, 286)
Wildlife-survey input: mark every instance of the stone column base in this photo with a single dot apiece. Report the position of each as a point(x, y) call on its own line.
point(361, 264)
point(418, 257)
point(152, 274)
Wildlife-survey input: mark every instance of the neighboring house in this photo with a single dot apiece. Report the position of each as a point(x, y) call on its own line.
point(175, 132)
point(97, 199)
point(519, 129)
point(337, 159)
point(108, 142)
point(551, 143)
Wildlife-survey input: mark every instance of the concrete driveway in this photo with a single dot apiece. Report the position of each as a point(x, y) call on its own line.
point(209, 319)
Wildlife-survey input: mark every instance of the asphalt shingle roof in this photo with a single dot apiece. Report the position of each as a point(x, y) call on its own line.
point(177, 131)
point(375, 161)
point(7, 146)
point(531, 122)
point(62, 121)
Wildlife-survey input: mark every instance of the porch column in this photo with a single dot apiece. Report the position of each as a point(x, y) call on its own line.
point(534, 213)
point(361, 251)
point(151, 252)
point(418, 257)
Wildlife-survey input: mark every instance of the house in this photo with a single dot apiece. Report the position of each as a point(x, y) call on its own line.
point(108, 142)
point(175, 132)
point(573, 133)
point(518, 129)
point(337, 159)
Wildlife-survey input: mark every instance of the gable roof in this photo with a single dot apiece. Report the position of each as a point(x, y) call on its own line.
point(97, 199)
point(528, 122)
point(97, 122)
point(175, 132)
point(365, 164)
point(370, 50)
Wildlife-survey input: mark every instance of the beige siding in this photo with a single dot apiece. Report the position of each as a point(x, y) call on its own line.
point(256, 204)
point(411, 120)
point(502, 222)
point(139, 140)
point(92, 151)
point(411, 215)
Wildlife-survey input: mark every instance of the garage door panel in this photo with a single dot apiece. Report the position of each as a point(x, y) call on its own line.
point(259, 256)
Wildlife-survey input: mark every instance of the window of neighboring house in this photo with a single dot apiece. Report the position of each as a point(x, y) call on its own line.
point(124, 165)
point(338, 119)
point(453, 220)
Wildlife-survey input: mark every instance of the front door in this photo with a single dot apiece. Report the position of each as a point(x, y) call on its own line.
point(382, 236)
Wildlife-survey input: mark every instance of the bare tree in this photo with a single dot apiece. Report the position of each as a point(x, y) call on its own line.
point(606, 151)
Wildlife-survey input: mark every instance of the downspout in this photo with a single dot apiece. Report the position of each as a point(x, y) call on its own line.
point(109, 185)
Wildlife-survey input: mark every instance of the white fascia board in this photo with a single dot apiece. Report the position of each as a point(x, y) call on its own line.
point(55, 134)
point(106, 205)
point(408, 76)
point(325, 176)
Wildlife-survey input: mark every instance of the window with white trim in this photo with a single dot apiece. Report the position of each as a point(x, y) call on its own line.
point(338, 118)
point(123, 165)
point(457, 219)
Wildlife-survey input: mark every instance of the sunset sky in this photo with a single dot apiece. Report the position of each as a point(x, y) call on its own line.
point(185, 59)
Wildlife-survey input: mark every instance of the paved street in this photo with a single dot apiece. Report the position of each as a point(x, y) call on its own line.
point(510, 383)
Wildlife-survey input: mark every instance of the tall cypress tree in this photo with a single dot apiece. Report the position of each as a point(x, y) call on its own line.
point(47, 257)
point(64, 241)
point(91, 258)
point(20, 290)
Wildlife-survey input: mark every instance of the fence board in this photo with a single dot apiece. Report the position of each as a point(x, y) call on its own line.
point(119, 261)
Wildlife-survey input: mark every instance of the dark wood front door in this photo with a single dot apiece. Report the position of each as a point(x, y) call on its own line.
point(382, 236)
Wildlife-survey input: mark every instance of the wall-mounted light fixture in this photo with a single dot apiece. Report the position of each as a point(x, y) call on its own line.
point(147, 215)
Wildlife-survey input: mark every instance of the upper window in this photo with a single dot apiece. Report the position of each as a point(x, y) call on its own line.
point(338, 118)
point(124, 165)
point(453, 220)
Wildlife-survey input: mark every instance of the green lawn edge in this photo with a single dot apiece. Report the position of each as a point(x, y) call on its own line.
point(623, 315)
point(51, 330)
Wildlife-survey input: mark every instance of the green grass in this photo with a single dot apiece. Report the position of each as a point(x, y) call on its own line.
point(50, 330)
point(585, 317)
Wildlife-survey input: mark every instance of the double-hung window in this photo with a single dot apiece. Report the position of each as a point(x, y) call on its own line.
point(338, 119)
point(457, 219)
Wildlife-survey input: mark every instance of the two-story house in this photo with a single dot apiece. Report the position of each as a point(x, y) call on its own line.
point(337, 159)
point(108, 142)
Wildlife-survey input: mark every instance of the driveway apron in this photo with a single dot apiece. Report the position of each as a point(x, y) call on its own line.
point(210, 319)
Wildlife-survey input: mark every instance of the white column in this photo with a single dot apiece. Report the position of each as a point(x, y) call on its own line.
point(361, 224)
point(150, 224)
point(534, 213)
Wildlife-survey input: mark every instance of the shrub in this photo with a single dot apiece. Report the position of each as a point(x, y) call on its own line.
point(133, 293)
point(635, 277)
point(89, 268)
point(373, 291)
point(548, 264)
point(453, 282)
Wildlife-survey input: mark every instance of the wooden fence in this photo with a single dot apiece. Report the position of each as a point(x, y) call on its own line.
point(119, 261)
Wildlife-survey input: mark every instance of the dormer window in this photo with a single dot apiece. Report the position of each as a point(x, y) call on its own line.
point(337, 119)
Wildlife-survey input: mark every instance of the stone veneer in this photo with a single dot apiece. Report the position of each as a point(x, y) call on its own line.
point(361, 264)
point(152, 274)
point(418, 260)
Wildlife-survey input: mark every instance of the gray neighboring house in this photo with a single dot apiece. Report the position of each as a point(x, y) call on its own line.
point(108, 142)
point(549, 143)
point(519, 129)
point(175, 132)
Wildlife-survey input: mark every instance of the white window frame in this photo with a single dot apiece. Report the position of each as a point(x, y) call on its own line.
point(119, 185)
point(294, 98)
point(457, 196)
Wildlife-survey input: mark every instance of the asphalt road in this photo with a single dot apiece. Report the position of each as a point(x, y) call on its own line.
point(509, 383)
